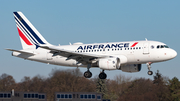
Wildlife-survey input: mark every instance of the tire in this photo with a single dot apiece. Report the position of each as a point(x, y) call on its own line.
point(102, 75)
point(87, 74)
point(150, 72)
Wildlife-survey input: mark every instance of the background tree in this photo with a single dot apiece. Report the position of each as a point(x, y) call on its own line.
point(7, 82)
point(174, 87)
point(117, 86)
point(140, 90)
point(161, 89)
point(101, 87)
point(121, 88)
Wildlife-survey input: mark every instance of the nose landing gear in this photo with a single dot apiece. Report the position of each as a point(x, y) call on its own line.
point(149, 67)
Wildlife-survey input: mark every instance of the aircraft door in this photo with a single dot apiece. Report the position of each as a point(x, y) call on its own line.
point(146, 48)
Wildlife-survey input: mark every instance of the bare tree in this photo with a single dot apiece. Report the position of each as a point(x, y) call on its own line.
point(7, 82)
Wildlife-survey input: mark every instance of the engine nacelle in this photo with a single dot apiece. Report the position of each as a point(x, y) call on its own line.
point(131, 68)
point(109, 63)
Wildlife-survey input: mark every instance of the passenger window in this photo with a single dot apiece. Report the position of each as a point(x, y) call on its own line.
point(152, 47)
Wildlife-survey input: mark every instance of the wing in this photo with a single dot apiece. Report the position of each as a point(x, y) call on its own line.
point(80, 57)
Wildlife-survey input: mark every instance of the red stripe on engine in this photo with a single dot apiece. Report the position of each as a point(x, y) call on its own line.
point(134, 44)
point(24, 37)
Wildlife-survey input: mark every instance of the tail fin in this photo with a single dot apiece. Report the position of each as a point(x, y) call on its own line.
point(29, 36)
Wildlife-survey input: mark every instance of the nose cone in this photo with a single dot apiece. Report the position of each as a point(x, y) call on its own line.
point(173, 54)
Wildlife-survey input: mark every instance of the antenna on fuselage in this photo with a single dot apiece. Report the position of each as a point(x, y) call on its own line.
point(146, 39)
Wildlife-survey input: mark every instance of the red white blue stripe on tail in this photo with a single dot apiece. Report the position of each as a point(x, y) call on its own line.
point(27, 32)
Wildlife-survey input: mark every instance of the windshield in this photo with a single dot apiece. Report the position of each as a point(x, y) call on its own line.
point(162, 46)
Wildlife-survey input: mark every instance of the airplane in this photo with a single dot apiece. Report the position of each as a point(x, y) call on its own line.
point(126, 56)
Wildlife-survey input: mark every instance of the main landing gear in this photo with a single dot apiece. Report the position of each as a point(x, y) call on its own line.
point(88, 74)
point(149, 67)
point(102, 75)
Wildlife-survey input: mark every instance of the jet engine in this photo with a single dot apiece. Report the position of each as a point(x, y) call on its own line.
point(109, 63)
point(131, 68)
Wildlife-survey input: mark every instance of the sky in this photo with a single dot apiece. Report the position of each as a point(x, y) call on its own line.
point(90, 21)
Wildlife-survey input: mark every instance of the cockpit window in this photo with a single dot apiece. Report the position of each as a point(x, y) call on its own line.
point(157, 46)
point(166, 46)
point(162, 46)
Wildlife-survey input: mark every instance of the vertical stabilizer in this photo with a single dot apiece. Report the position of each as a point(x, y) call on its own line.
point(29, 36)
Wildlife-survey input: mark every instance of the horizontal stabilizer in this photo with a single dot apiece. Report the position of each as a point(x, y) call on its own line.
point(22, 51)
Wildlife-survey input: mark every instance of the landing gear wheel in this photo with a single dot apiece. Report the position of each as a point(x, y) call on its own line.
point(87, 74)
point(149, 67)
point(150, 72)
point(102, 75)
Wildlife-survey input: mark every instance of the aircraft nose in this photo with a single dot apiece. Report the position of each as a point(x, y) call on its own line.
point(173, 53)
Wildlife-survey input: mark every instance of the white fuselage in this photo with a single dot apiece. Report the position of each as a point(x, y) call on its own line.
point(132, 52)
